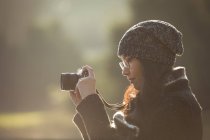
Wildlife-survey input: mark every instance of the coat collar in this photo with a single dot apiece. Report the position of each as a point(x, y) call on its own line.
point(175, 79)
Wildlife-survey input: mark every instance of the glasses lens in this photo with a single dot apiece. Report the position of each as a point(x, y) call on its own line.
point(122, 65)
point(125, 64)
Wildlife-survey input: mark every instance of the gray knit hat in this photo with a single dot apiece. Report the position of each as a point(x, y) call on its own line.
point(153, 40)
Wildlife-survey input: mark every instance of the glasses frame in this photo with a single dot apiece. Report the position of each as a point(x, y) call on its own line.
point(124, 65)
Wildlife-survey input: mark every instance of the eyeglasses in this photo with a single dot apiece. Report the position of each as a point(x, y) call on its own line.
point(124, 65)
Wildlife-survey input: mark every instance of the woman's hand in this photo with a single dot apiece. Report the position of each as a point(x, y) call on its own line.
point(87, 85)
point(75, 97)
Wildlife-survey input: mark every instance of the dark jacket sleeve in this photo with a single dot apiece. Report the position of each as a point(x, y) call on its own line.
point(80, 125)
point(96, 120)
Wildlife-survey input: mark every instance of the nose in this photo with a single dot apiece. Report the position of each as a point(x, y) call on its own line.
point(125, 72)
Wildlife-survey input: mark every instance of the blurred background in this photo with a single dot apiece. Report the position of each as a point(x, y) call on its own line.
point(39, 39)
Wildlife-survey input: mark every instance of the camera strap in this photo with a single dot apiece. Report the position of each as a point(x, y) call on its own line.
point(117, 106)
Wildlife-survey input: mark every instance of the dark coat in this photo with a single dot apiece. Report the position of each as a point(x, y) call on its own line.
point(172, 114)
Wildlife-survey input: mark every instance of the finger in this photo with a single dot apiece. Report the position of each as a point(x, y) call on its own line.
point(90, 71)
point(71, 91)
point(72, 94)
point(77, 93)
point(76, 90)
point(78, 96)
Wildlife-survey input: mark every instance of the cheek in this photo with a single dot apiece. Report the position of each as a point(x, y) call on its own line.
point(136, 69)
point(139, 79)
point(138, 75)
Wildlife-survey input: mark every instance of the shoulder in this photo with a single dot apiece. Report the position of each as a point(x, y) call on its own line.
point(175, 103)
point(182, 101)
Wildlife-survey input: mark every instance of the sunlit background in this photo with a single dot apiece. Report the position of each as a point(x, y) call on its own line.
point(39, 39)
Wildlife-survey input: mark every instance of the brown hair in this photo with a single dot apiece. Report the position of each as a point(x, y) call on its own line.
point(129, 94)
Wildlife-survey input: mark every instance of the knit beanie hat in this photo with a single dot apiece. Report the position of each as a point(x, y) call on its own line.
point(153, 40)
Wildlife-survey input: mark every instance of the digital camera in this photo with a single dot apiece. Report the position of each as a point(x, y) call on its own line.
point(69, 81)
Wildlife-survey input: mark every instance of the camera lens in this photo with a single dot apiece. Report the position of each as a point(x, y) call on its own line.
point(69, 81)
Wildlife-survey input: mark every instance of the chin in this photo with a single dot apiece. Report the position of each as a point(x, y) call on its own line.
point(137, 87)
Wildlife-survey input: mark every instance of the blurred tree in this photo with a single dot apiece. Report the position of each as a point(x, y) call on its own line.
point(32, 56)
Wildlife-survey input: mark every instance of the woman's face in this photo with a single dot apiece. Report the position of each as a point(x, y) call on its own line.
point(132, 69)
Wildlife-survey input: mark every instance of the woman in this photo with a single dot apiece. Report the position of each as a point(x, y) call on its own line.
point(158, 105)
